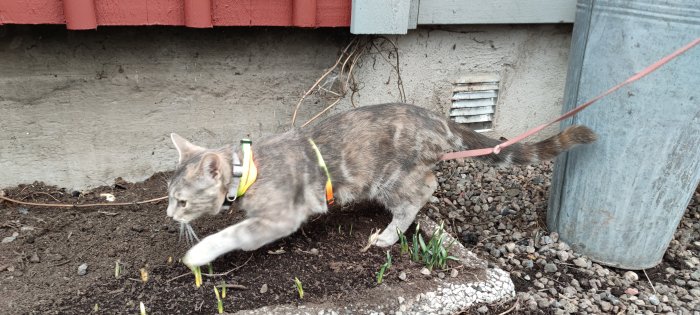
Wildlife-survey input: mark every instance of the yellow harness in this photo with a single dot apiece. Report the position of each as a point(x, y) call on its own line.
point(329, 186)
point(245, 173)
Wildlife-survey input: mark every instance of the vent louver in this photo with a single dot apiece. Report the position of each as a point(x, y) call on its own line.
point(474, 101)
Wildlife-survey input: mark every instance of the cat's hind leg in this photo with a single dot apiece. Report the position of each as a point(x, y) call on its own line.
point(410, 199)
point(249, 234)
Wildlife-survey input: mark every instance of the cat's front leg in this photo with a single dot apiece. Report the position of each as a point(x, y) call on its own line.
point(249, 234)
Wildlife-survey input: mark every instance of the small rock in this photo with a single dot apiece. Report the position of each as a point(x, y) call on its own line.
point(695, 292)
point(425, 271)
point(605, 306)
point(527, 263)
point(510, 247)
point(313, 251)
point(441, 275)
point(546, 240)
point(550, 268)
point(563, 255)
point(483, 309)
point(263, 288)
point(23, 211)
point(434, 199)
point(653, 300)
point(402, 276)
point(581, 262)
point(82, 269)
point(695, 275)
point(137, 229)
point(10, 239)
point(513, 192)
point(401, 299)
point(554, 236)
point(632, 291)
point(34, 258)
point(631, 276)
point(454, 273)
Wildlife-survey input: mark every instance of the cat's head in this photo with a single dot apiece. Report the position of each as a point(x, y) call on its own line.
point(198, 185)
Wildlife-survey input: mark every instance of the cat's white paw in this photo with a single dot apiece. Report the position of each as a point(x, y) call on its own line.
point(386, 239)
point(199, 255)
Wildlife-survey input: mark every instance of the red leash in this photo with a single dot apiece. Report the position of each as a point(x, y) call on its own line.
point(641, 74)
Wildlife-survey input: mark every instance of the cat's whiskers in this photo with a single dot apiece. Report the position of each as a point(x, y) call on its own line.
point(192, 235)
point(182, 231)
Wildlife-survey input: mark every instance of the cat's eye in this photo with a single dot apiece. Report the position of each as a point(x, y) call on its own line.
point(182, 203)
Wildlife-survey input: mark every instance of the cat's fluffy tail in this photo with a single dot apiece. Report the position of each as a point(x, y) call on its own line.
point(528, 153)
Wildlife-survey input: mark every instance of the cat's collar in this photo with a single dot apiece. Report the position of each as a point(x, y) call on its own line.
point(244, 173)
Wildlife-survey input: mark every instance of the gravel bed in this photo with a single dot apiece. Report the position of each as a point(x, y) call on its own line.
point(500, 213)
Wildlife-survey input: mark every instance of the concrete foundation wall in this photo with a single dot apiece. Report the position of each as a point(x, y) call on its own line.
point(78, 109)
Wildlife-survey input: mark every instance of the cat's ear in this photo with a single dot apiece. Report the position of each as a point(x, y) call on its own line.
point(210, 166)
point(184, 147)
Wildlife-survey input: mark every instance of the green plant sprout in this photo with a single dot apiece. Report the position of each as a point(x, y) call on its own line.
point(143, 308)
point(223, 289)
point(300, 289)
point(431, 254)
point(96, 308)
point(197, 271)
point(219, 302)
point(385, 266)
point(415, 251)
point(403, 242)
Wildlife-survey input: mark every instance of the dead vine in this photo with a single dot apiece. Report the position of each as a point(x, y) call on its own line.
point(339, 80)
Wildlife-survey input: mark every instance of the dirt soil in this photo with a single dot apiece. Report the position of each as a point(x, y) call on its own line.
point(39, 269)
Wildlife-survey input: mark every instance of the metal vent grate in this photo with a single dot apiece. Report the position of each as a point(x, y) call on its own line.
point(474, 101)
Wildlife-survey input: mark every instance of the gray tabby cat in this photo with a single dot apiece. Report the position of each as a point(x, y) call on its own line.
point(384, 153)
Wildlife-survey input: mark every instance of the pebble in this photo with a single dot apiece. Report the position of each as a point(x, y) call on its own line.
point(563, 255)
point(653, 300)
point(695, 275)
point(10, 239)
point(631, 291)
point(695, 292)
point(425, 271)
point(402, 276)
point(34, 258)
point(581, 262)
point(482, 309)
point(631, 276)
point(82, 269)
point(550, 268)
point(263, 288)
point(313, 251)
point(441, 275)
point(527, 263)
point(453, 273)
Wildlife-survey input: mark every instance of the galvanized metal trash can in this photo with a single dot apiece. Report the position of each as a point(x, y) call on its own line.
point(620, 200)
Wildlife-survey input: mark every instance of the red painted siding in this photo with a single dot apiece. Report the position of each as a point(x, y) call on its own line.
point(328, 13)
